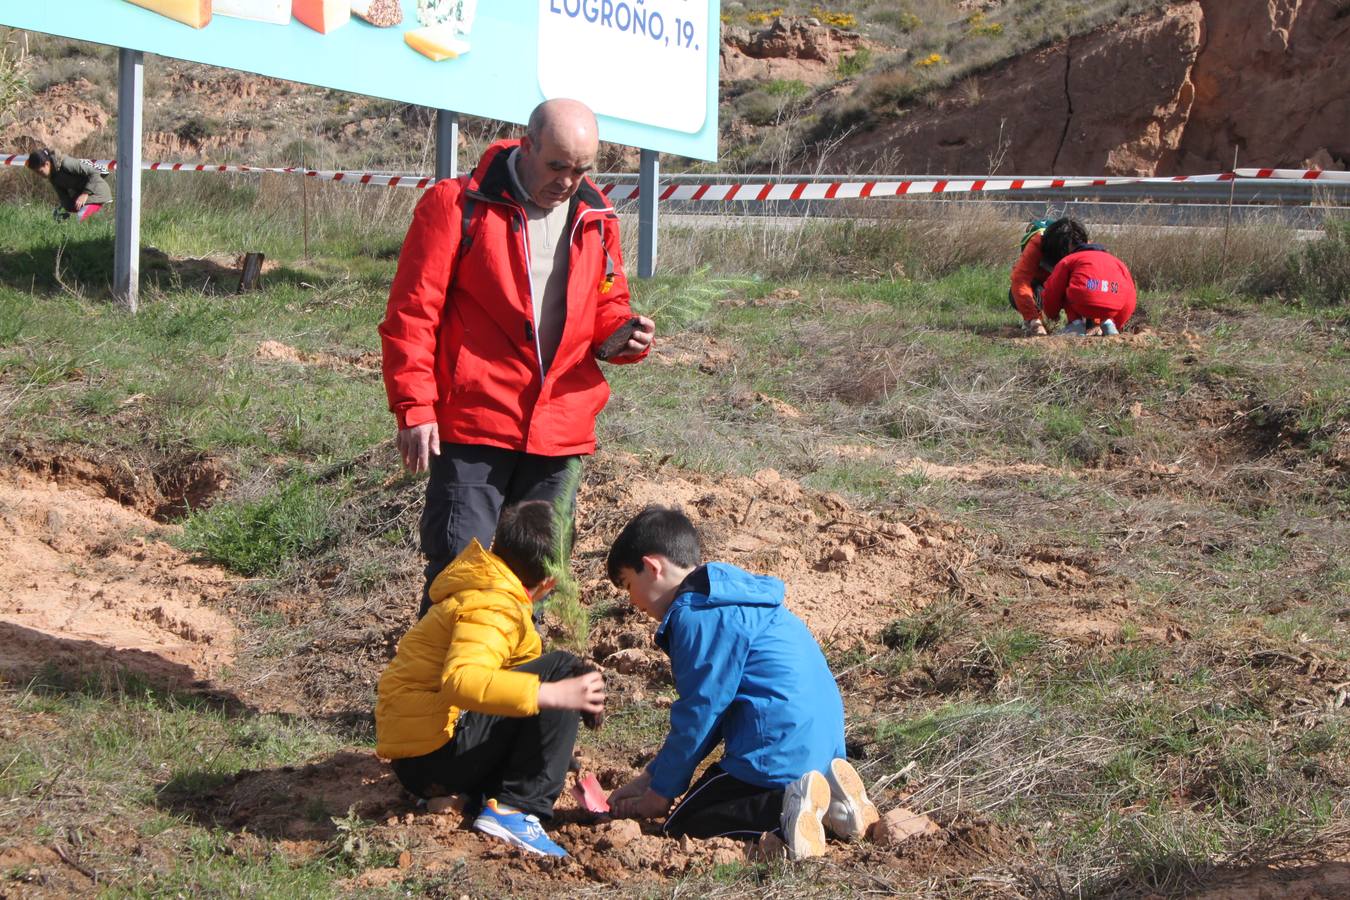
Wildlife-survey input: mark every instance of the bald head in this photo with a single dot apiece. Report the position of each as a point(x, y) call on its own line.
point(561, 117)
point(559, 148)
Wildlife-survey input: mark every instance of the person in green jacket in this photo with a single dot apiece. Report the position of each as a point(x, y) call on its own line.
point(77, 183)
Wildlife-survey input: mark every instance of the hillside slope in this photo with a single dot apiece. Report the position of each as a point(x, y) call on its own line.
point(1171, 92)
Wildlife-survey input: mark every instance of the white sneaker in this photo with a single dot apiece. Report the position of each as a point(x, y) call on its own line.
point(804, 804)
point(850, 813)
point(1109, 328)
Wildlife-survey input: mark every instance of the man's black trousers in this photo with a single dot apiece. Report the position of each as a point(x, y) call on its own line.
point(522, 762)
point(468, 487)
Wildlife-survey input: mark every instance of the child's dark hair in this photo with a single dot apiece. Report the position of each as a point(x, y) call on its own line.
point(525, 540)
point(1063, 237)
point(662, 530)
point(38, 158)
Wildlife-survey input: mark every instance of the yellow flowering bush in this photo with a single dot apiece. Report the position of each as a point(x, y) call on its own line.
point(763, 17)
point(977, 24)
point(834, 19)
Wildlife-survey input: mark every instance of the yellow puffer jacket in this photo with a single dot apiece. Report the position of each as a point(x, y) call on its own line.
point(456, 658)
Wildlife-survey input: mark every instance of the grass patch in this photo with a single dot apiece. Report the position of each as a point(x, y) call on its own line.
point(257, 537)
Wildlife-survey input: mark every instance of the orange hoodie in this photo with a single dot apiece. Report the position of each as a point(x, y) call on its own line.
point(1027, 275)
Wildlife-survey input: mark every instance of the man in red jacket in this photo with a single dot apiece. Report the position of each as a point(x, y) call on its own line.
point(509, 284)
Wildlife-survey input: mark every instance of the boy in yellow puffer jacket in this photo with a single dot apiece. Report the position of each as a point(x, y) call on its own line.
point(468, 706)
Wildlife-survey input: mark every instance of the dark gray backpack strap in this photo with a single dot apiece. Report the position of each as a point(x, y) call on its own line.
point(466, 219)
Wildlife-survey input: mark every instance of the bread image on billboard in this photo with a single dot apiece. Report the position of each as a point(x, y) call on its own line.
point(380, 13)
point(273, 12)
point(196, 13)
point(445, 25)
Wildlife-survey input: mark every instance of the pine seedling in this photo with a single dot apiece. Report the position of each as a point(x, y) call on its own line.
point(565, 599)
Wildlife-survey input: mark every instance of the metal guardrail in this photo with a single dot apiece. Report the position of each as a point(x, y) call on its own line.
point(1297, 203)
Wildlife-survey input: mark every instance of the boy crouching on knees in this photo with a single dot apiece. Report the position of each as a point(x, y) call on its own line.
point(750, 676)
point(468, 706)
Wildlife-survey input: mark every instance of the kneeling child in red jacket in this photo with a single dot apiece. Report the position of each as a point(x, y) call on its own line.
point(1094, 288)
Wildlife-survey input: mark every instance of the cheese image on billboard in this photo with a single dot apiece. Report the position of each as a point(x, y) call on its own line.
point(436, 42)
point(380, 13)
point(275, 12)
point(457, 13)
point(196, 13)
point(323, 15)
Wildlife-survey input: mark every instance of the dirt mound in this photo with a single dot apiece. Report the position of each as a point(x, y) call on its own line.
point(977, 471)
point(275, 351)
point(297, 805)
point(847, 572)
point(44, 871)
point(86, 582)
point(162, 489)
point(1328, 881)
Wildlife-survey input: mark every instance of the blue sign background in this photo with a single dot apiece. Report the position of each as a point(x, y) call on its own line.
point(498, 78)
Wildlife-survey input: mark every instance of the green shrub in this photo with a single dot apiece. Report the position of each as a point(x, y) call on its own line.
point(758, 107)
point(787, 87)
point(256, 537)
point(854, 63)
point(1321, 270)
point(902, 21)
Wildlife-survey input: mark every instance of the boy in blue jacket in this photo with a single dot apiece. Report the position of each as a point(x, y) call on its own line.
point(749, 676)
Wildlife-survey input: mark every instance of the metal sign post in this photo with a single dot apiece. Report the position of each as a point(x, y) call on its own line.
point(649, 170)
point(127, 246)
point(447, 144)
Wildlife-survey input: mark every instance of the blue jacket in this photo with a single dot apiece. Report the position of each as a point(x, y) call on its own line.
point(748, 673)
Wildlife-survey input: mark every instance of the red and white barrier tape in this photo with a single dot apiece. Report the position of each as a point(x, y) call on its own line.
point(1296, 174)
point(804, 190)
point(417, 181)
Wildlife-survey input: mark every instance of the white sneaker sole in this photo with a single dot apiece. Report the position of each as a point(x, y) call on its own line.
point(804, 804)
point(500, 831)
point(851, 813)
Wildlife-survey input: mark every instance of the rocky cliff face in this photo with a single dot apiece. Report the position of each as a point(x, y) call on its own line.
point(801, 49)
point(1273, 79)
point(1171, 93)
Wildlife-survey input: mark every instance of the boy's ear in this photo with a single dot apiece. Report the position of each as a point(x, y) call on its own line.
point(654, 564)
point(540, 590)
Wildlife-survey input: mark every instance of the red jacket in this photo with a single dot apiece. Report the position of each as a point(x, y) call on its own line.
point(458, 334)
point(1090, 284)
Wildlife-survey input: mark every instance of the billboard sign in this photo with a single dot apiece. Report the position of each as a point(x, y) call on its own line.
point(647, 67)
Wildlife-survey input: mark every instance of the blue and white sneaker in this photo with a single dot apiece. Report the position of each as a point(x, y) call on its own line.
point(516, 827)
point(1076, 327)
point(1109, 328)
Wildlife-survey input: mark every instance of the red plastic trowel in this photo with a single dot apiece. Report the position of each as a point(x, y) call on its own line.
point(590, 795)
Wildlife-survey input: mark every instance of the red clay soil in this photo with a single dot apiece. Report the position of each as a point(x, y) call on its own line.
point(85, 581)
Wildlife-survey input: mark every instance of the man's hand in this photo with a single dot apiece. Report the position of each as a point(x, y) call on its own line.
point(584, 693)
point(80, 201)
point(641, 339)
point(418, 444)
